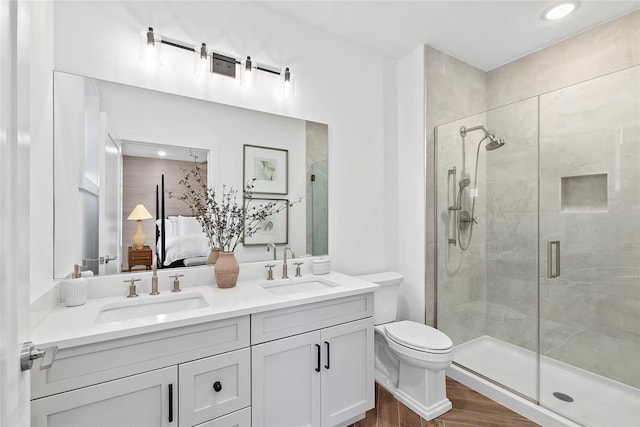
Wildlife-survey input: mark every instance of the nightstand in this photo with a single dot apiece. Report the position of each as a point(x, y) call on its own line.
point(142, 256)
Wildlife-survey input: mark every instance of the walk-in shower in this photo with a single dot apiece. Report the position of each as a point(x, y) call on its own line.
point(557, 329)
point(463, 219)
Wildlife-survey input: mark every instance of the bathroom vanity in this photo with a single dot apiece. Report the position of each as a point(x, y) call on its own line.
point(296, 352)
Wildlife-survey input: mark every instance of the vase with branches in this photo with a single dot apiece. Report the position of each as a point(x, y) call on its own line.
point(224, 214)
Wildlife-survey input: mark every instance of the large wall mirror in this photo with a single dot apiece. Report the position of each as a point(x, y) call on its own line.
point(114, 143)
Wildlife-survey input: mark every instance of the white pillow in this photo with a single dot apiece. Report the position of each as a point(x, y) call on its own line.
point(188, 225)
point(188, 246)
point(170, 226)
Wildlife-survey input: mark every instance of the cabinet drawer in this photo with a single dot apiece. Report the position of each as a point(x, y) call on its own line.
point(94, 363)
point(276, 324)
point(240, 418)
point(215, 386)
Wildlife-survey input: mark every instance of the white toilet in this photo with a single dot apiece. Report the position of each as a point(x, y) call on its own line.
point(410, 358)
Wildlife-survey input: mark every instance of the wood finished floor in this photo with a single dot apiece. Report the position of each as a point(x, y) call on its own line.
point(470, 408)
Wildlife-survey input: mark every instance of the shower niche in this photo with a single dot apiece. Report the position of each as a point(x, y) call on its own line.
point(584, 193)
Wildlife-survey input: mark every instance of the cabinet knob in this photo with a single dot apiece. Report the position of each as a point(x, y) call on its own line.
point(217, 386)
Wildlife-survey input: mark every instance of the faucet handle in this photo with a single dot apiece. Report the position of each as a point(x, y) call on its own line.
point(132, 287)
point(298, 272)
point(176, 282)
point(270, 272)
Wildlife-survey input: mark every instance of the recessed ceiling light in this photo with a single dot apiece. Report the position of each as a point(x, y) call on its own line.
point(162, 153)
point(559, 11)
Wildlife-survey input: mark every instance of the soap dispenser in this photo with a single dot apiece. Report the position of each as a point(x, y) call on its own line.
point(74, 290)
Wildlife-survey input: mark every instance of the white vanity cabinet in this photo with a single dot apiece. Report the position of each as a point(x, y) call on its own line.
point(294, 364)
point(320, 378)
point(163, 378)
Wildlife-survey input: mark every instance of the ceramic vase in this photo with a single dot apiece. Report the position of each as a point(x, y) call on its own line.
point(213, 256)
point(226, 270)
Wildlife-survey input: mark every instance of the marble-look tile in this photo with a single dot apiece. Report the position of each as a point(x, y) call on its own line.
point(607, 48)
point(585, 128)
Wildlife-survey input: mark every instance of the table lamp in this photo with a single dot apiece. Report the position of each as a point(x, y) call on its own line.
point(138, 214)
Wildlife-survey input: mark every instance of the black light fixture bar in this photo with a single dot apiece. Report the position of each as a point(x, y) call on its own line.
point(215, 55)
point(177, 44)
point(267, 70)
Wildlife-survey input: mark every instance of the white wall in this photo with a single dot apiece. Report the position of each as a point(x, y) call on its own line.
point(337, 83)
point(411, 179)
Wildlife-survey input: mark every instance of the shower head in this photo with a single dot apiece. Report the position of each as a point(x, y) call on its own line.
point(494, 143)
point(464, 182)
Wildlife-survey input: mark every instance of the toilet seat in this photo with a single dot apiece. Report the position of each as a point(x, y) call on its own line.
point(418, 337)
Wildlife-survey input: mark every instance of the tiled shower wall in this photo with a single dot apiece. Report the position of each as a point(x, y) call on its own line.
point(461, 273)
point(589, 316)
point(589, 124)
point(512, 225)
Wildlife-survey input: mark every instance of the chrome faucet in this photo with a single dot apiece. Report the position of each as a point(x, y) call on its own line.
point(284, 263)
point(272, 245)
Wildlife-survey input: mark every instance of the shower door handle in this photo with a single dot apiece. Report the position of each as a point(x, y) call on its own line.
point(453, 209)
point(551, 272)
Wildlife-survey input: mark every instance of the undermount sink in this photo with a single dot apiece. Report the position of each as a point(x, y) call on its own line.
point(288, 288)
point(154, 306)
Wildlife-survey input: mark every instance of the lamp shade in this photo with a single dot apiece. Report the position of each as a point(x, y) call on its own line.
point(139, 212)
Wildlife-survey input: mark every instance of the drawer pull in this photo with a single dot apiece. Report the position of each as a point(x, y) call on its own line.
point(217, 386)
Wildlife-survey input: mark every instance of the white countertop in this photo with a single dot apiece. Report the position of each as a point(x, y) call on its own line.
point(73, 326)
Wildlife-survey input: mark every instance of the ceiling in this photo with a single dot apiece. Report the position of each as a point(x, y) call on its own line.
point(485, 34)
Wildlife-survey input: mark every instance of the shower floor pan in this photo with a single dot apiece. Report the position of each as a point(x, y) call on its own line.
point(597, 401)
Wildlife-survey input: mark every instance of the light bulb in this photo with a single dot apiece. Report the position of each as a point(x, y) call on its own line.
point(247, 73)
point(201, 60)
point(287, 83)
point(150, 44)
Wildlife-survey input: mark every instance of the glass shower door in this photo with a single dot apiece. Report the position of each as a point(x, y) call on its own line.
point(590, 250)
point(487, 244)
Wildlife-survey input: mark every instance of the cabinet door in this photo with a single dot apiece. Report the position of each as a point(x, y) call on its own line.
point(347, 371)
point(286, 382)
point(148, 399)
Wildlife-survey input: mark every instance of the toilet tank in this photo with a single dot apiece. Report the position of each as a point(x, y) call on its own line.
point(385, 305)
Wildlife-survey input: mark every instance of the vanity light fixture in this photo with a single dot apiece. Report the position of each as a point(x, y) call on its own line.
point(247, 74)
point(214, 62)
point(201, 60)
point(559, 10)
point(287, 87)
point(150, 44)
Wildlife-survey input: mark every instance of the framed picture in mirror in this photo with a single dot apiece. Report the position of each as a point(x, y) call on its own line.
point(274, 228)
point(269, 167)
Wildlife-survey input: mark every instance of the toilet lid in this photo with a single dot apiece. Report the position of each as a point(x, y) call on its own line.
point(418, 336)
